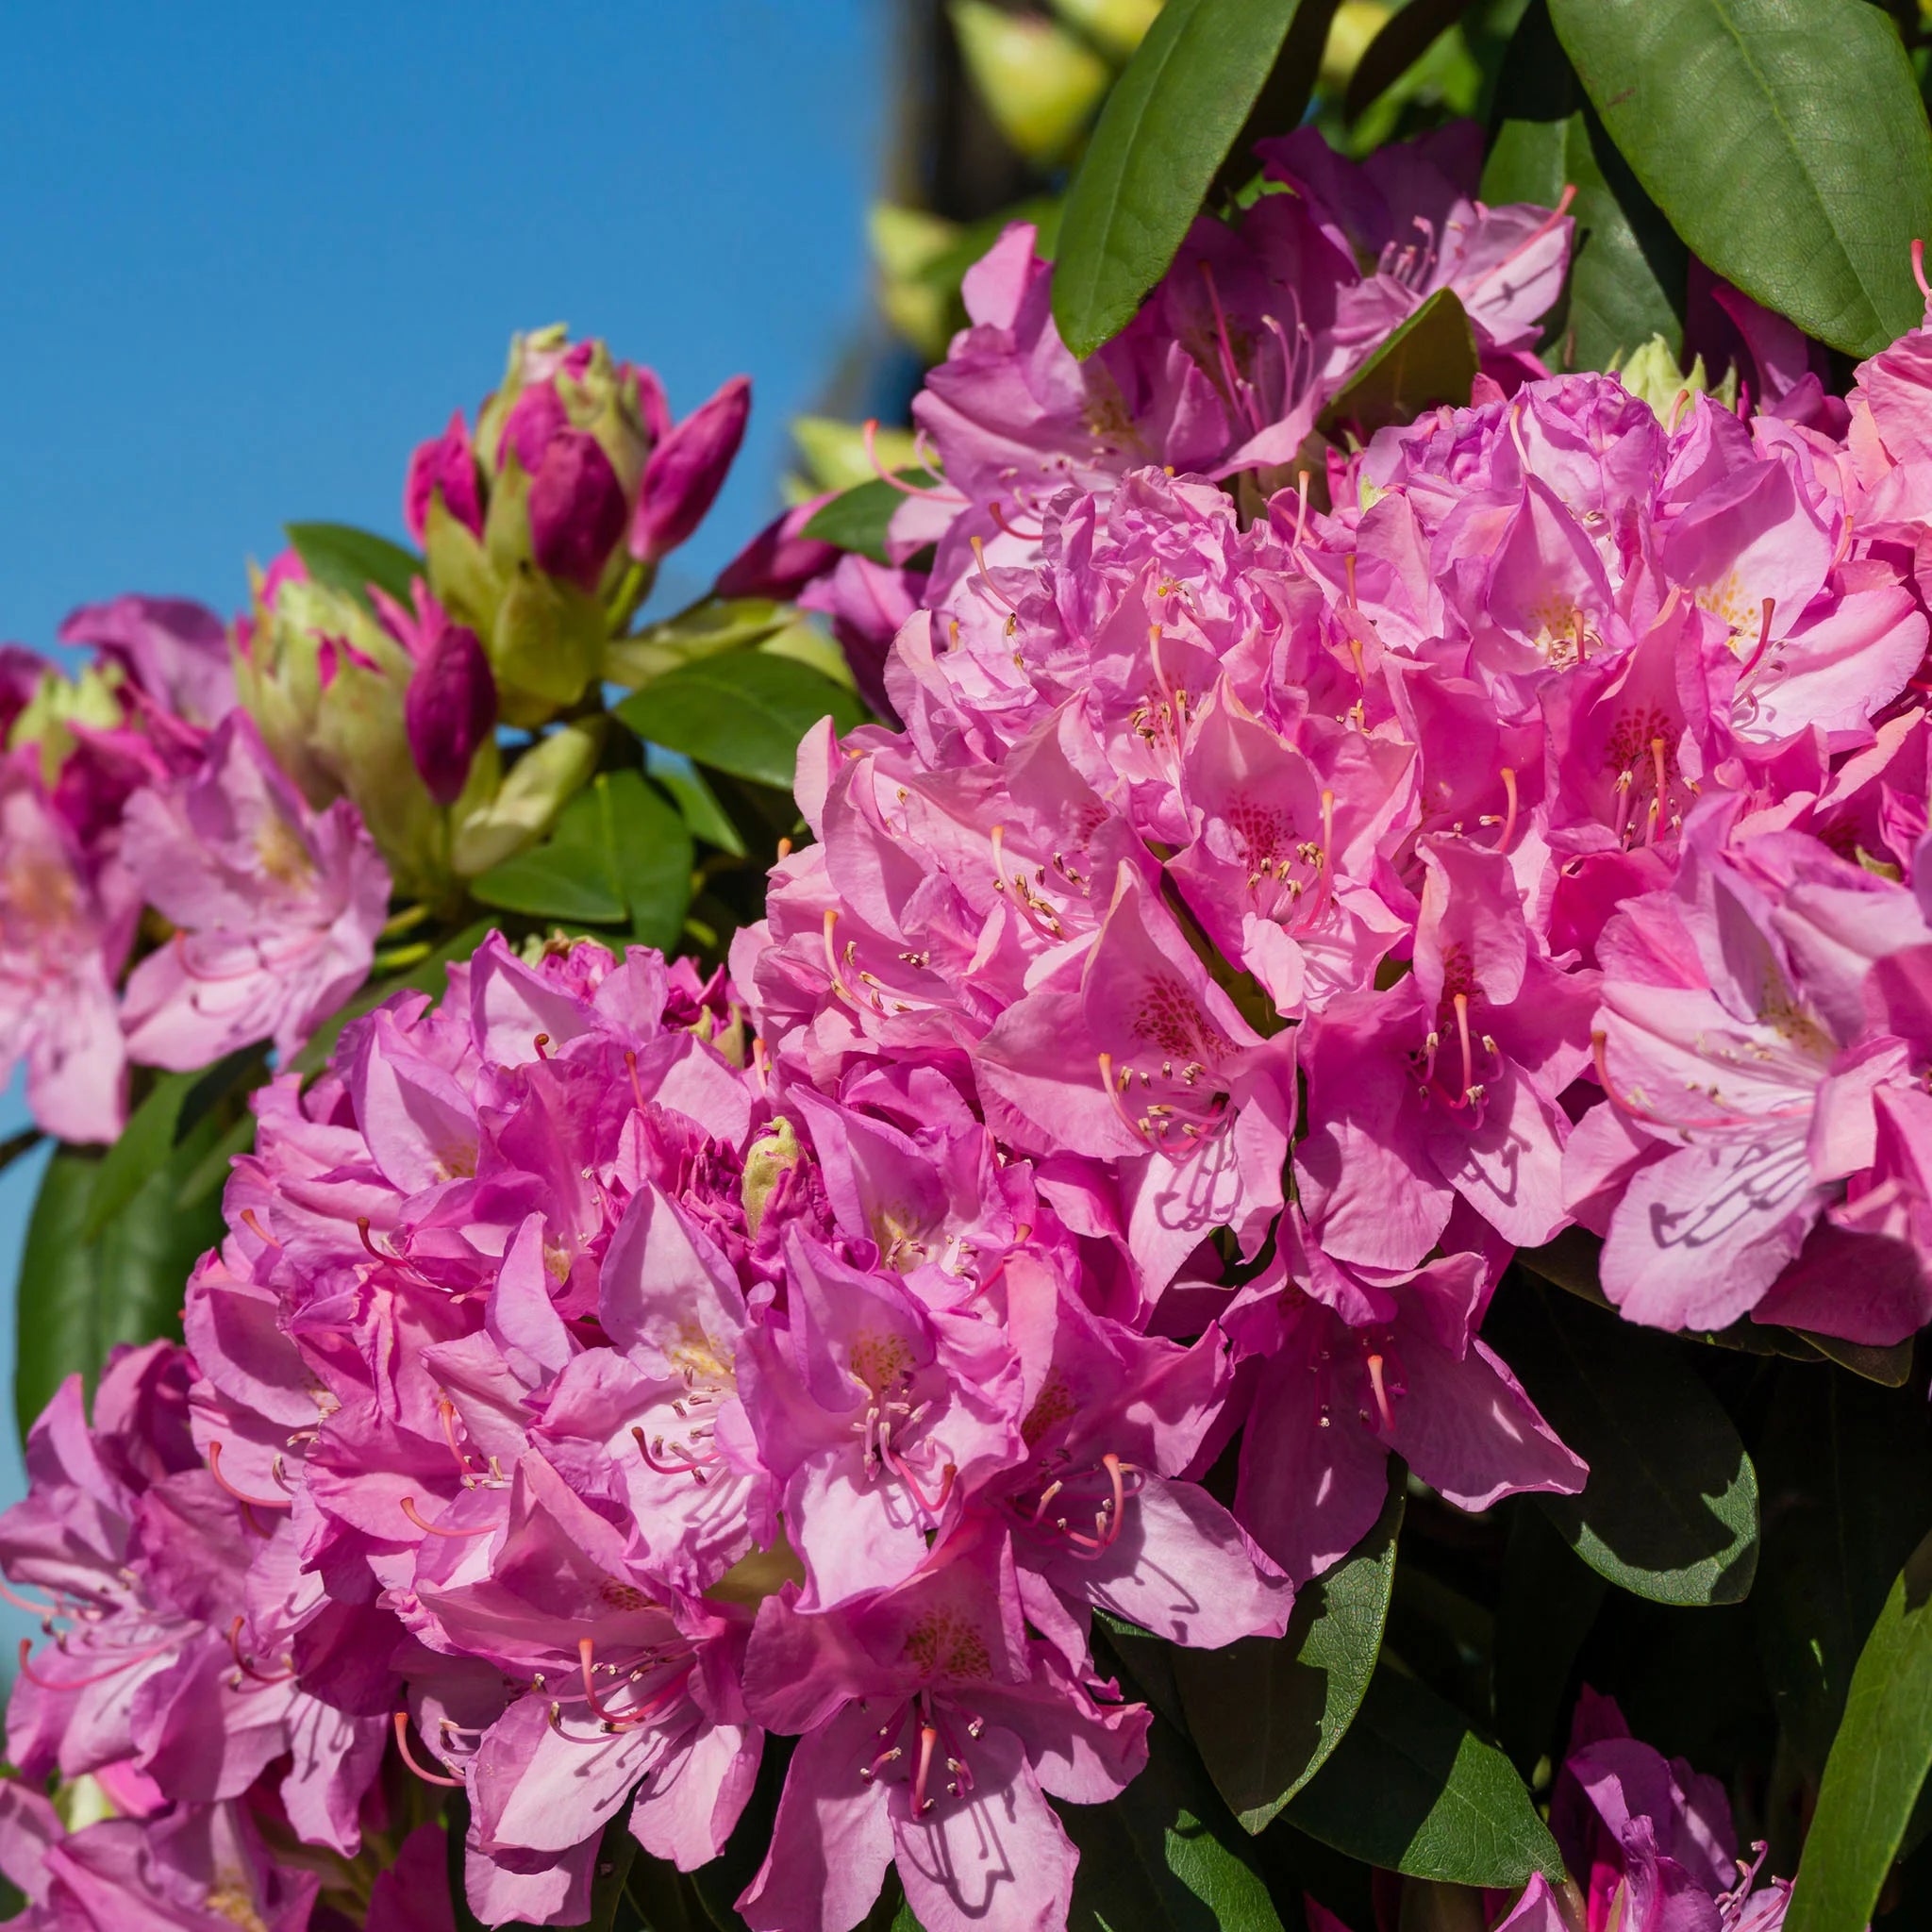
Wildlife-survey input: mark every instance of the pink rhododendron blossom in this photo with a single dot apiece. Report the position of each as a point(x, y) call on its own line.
point(277, 907)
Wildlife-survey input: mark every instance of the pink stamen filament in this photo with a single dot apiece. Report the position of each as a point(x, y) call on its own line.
point(415, 1516)
point(447, 1414)
point(932, 1505)
point(1634, 1109)
point(1537, 234)
point(1510, 813)
point(693, 1466)
point(871, 433)
point(1377, 1384)
point(429, 1777)
point(21, 1602)
point(33, 1676)
point(984, 577)
point(245, 1664)
point(214, 1469)
point(664, 1696)
point(1750, 663)
point(1919, 267)
point(928, 1737)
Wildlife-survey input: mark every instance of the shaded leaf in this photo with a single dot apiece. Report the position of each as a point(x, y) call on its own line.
point(705, 629)
point(1669, 1510)
point(78, 1299)
point(1404, 38)
point(695, 798)
point(1762, 128)
point(1549, 1602)
point(1430, 358)
point(1628, 267)
point(347, 559)
point(744, 713)
point(651, 853)
point(1266, 1712)
point(1846, 1469)
point(1412, 1789)
point(1877, 1764)
point(1169, 124)
point(1165, 1855)
point(572, 883)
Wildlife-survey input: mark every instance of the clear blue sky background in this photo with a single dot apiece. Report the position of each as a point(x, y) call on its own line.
point(250, 256)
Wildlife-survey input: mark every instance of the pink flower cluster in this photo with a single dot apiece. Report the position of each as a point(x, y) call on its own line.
point(145, 784)
point(580, 1396)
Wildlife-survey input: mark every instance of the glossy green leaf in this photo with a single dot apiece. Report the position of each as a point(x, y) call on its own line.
point(1846, 1469)
point(572, 883)
point(1431, 358)
point(1165, 1855)
point(859, 519)
point(1266, 1712)
point(705, 629)
point(1171, 121)
point(1628, 267)
point(744, 713)
point(651, 853)
point(144, 1144)
point(1784, 140)
point(694, 799)
point(429, 975)
point(1404, 38)
point(77, 1298)
point(1669, 1510)
point(1412, 1789)
point(1877, 1764)
point(349, 559)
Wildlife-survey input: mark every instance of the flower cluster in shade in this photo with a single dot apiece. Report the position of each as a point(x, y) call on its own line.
point(258, 789)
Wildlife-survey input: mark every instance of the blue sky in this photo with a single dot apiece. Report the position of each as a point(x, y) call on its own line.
point(249, 257)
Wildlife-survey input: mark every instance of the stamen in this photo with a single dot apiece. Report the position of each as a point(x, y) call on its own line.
point(20, 1603)
point(1745, 669)
point(139, 1656)
point(263, 1234)
point(429, 1777)
point(984, 577)
point(214, 1469)
point(1468, 1053)
point(415, 1516)
point(1919, 267)
point(928, 1739)
point(1656, 804)
point(1377, 1383)
point(1509, 775)
point(541, 1043)
point(870, 434)
point(247, 1664)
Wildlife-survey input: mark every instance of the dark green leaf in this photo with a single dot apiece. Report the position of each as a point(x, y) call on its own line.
point(1784, 138)
point(572, 875)
point(744, 713)
point(1147, 1664)
point(77, 1299)
point(695, 798)
point(857, 519)
point(1878, 1762)
point(1847, 1474)
point(1431, 358)
point(1671, 1507)
point(1628, 266)
point(651, 852)
point(349, 559)
point(1891, 1367)
point(428, 976)
point(1549, 1602)
point(1403, 40)
point(1164, 1856)
point(1168, 126)
point(1266, 1712)
point(144, 1143)
point(1412, 1789)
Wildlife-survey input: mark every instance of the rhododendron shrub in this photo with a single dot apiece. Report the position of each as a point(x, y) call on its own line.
point(1115, 1195)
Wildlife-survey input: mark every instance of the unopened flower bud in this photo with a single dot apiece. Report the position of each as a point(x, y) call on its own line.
point(449, 710)
point(686, 470)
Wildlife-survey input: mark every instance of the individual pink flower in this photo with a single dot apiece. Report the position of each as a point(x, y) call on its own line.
point(277, 907)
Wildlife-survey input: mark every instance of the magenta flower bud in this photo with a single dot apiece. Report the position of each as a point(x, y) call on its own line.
point(576, 508)
point(449, 710)
point(686, 470)
point(780, 561)
point(444, 463)
point(535, 416)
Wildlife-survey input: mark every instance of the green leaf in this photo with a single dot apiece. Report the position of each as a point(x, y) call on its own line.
point(572, 875)
point(1847, 1474)
point(1549, 1602)
point(1164, 1856)
point(1412, 1789)
point(1627, 267)
point(1431, 358)
point(1169, 124)
point(144, 1143)
point(857, 519)
point(1404, 38)
point(742, 714)
point(1266, 1712)
point(1877, 1764)
point(349, 559)
point(1784, 138)
point(694, 799)
point(704, 629)
point(651, 853)
point(430, 976)
point(78, 1299)
point(1670, 1511)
